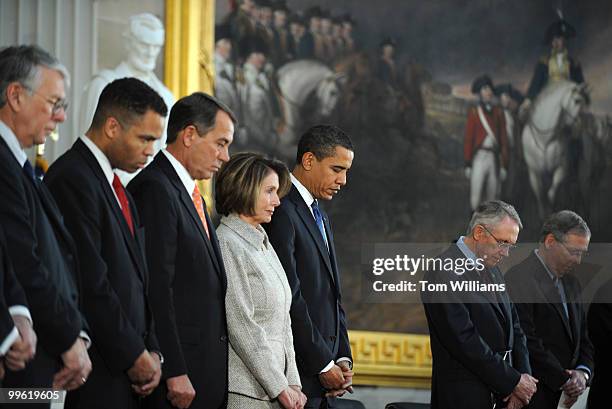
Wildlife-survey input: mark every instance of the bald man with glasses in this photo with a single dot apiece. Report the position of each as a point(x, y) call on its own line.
point(548, 300)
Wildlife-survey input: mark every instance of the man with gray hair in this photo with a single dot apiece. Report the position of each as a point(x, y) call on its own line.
point(32, 104)
point(553, 317)
point(480, 357)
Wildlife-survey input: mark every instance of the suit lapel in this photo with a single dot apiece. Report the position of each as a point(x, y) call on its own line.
point(130, 240)
point(166, 167)
point(332, 249)
point(311, 226)
point(551, 294)
point(574, 313)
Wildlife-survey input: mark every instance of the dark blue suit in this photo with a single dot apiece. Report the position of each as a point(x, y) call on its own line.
point(317, 318)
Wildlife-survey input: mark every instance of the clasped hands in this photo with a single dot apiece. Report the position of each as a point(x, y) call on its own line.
point(145, 373)
point(522, 393)
point(23, 349)
point(574, 386)
point(292, 398)
point(338, 380)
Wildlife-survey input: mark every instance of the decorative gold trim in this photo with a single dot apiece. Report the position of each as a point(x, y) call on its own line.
point(190, 32)
point(391, 359)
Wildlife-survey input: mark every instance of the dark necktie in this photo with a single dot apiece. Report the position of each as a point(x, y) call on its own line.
point(319, 220)
point(29, 171)
point(123, 201)
point(562, 296)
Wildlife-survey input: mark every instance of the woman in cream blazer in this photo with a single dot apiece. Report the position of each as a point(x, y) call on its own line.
point(262, 368)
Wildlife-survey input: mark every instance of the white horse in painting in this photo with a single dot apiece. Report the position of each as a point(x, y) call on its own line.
point(298, 81)
point(545, 143)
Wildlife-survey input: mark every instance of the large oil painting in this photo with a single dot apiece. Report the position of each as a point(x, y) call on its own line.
point(407, 80)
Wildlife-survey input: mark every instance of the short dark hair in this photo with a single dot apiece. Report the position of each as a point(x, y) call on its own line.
point(22, 64)
point(239, 180)
point(125, 99)
point(561, 223)
point(198, 109)
point(322, 140)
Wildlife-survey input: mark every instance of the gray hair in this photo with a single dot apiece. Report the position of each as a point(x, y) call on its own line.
point(22, 64)
point(561, 223)
point(491, 213)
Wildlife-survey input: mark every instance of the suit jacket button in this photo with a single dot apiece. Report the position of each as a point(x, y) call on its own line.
point(223, 338)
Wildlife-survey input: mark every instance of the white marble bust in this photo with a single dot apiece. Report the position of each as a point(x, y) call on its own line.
point(144, 38)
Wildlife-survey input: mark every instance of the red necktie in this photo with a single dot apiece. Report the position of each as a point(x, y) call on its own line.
point(199, 205)
point(123, 201)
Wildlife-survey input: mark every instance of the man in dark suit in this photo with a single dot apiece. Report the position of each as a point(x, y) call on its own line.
point(185, 265)
point(100, 215)
point(302, 237)
point(14, 352)
point(32, 104)
point(548, 300)
point(479, 351)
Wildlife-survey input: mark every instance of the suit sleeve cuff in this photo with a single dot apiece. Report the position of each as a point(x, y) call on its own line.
point(585, 369)
point(350, 362)
point(85, 338)
point(8, 341)
point(21, 310)
point(329, 366)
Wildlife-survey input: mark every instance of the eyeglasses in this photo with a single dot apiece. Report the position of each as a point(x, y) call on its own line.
point(574, 252)
point(503, 245)
point(56, 105)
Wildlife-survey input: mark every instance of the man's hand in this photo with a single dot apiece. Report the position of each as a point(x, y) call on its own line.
point(24, 348)
point(525, 389)
point(468, 172)
point(569, 401)
point(289, 398)
point(151, 365)
point(180, 391)
point(302, 398)
point(348, 375)
point(513, 402)
point(332, 379)
point(576, 384)
point(76, 369)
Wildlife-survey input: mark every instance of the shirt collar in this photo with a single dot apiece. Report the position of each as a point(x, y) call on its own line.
point(103, 161)
point(552, 276)
point(465, 249)
point(256, 236)
point(182, 173)
point(306, 195)
point(13, 143)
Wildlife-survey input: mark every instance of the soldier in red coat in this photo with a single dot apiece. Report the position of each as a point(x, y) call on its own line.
point(485, 147)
